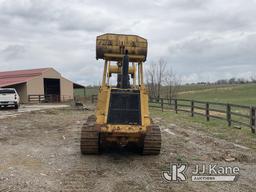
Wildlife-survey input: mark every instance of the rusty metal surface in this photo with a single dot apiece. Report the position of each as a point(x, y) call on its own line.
point(113, 46)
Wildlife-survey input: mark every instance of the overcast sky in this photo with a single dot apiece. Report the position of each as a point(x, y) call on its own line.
point(202, 40)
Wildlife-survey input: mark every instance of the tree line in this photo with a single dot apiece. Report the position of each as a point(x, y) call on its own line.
point(231, 81)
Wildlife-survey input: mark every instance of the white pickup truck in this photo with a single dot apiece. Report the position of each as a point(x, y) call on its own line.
point(9, 97)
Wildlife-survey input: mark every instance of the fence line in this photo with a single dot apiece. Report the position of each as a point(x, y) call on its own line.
point(233, 114)
point(48, 98)
point(94, 98)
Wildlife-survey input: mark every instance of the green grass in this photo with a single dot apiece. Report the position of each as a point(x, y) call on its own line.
point(244, 94)
point(185, 88)
point(89, 91)
point(216, 128)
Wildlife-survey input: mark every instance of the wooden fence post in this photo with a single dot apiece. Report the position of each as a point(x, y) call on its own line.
point(207, 111)
point(229, 114)
point(192, 108)
point(170, 103)
point(176, 105)
point(252, 119)
point(162, 104)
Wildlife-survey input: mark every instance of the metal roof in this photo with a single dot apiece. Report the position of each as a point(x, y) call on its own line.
point(8, 78)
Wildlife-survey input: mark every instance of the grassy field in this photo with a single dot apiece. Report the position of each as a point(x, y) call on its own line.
point(214, 127)
point(238, 94)
point(244, 94)
point(89, 91)
point(195, 87)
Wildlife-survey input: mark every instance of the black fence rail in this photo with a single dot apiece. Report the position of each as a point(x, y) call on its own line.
point(233, 114)
point(36, 98)
point(45, 98)
point(94, 98)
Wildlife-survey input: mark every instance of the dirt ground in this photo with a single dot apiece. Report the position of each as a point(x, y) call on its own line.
point(39, 151)
point(10, 112)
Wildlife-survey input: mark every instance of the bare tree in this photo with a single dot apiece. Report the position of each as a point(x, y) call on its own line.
point(172, 83)
point(158, 76)
point(253, 78)
point(155, 78)
point(151, 81)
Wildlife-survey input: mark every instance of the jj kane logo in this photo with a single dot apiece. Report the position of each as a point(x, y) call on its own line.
point(203, 172)
point(176, 173)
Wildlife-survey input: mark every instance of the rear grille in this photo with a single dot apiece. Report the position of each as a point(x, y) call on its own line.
point(124, 107)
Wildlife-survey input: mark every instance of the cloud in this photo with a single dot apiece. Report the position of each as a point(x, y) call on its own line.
point(213, 54)
point(89, 19)
point(33, 11)
point(13, 52)
point(202, 40)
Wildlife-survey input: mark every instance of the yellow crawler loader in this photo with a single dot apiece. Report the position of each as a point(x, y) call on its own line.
point(122, 115)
